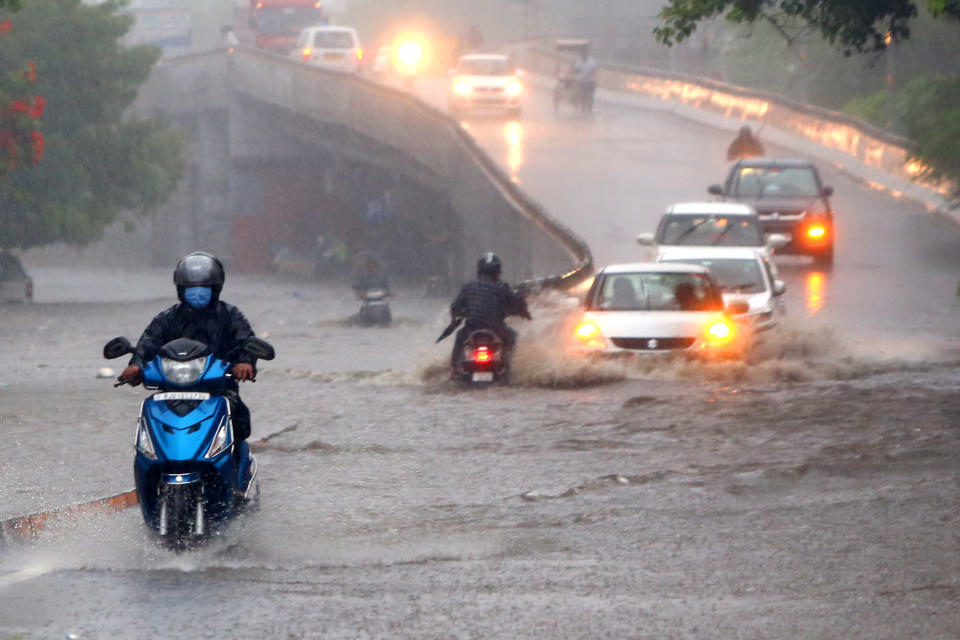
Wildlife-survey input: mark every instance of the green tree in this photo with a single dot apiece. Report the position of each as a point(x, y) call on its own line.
point(853, 25)
point(97, 162)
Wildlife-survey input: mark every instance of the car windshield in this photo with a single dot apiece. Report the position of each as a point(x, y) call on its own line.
point(657, 292)
point(286, 21)
point(333, 40)
point(735, 275)
point(710, 229)
point(775, 182)
point(485, 67)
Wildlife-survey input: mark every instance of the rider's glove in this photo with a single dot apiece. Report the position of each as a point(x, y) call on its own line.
point(132, 375)
point(243, 371)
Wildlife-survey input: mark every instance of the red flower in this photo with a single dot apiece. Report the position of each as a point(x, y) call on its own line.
point(36, 107)
point(5, 27)
point(32, 71)
point(18, 105)
point(39, 145)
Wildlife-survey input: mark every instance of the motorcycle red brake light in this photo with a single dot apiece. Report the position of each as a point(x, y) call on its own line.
point(482, 354)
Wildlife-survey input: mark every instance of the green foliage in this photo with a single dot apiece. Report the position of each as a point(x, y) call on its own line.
point(937, 149)
point(97, 162)
point(852, 25)
point(927, 111)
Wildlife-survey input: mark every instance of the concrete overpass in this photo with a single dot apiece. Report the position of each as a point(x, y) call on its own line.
point(279, 152)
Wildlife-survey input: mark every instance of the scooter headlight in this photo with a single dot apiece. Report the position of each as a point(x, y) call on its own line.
point(183, 372)
point(220, 440)
point(144, 443)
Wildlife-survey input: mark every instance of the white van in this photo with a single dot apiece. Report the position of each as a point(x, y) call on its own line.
point(335, 48)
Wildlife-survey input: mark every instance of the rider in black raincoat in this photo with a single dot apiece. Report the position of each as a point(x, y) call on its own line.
point(485, 303)
point(201, 315)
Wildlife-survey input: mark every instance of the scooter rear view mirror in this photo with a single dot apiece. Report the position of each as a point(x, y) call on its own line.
point(259, 348)
point(116, 348)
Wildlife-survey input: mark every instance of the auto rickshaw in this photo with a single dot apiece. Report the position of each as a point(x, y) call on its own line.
point(568, 89)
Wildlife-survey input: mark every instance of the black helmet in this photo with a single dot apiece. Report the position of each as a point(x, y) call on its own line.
point(488, 265)
point(199, 269)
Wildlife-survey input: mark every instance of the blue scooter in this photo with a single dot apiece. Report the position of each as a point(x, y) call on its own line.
point(190, 476)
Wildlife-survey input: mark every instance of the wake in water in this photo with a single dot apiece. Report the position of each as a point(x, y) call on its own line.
point(547, 356)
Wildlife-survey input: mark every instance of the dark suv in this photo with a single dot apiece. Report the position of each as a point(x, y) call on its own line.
point(790, 199)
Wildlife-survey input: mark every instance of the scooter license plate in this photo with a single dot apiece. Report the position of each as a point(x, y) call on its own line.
point(482, 376)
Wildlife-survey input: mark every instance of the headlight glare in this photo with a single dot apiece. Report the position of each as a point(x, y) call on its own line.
point(462, 88)
point(183, 372)
point(515, 88)
point(720, 333)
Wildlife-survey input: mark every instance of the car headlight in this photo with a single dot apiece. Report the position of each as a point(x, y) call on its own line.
point(144, 442)
point(462, 88)
point(720, 333)
point(514, 89)
point(589, 335)
point(220, 440)
point(183, 372)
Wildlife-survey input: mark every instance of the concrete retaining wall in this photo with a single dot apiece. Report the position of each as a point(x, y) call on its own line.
point(493, 213)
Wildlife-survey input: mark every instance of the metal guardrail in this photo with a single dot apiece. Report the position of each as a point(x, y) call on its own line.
point(857, 141)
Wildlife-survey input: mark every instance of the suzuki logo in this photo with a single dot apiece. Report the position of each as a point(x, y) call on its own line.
point(652, 344)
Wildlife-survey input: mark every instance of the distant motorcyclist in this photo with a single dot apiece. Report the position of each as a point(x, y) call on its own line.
point(745, 145)
point(585, 72)
point(370, 275)
point(485, 303)
point(201, 315)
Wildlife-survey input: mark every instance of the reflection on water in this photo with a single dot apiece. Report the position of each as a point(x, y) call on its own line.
point(513, 132)
point(815, 288)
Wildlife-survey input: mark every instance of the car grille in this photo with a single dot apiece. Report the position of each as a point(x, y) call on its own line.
point(489, 89)
point(652, 344)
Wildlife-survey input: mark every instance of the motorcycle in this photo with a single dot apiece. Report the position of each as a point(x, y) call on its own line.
point(191, 477)
point(374, 310)
point(484, 360)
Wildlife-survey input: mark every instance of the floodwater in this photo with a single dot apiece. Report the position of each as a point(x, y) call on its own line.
point(808, 491)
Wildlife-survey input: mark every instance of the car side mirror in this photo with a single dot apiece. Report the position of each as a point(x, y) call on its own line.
point(116, 348)
point(779, 287)
point(646, 240)
point(259, 348)
point(737, 307)
point(715, 189)
point(777, 240)
point(827, 191)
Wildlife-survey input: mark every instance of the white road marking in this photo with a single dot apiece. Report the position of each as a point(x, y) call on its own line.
point(22, 576)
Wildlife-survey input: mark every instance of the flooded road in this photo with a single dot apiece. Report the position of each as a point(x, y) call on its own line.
point(809, 492)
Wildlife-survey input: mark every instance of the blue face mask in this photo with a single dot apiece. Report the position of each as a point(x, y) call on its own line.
point(198, 297)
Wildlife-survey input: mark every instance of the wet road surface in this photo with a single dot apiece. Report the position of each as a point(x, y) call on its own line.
point(811, 493)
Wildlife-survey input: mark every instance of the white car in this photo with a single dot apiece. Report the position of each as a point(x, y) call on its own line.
point(657, 308)
point(743, 274)
point(485, 81)
point(334, 48)
point(711, 224)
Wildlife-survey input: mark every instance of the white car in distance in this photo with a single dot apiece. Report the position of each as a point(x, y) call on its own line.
point(657, 308)
point(334, 48)
point(711, 224)
point(485, 81)
point(743, 274)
